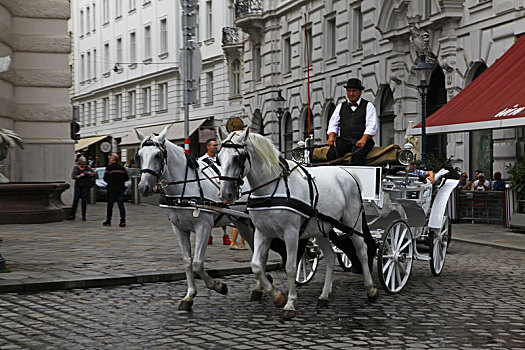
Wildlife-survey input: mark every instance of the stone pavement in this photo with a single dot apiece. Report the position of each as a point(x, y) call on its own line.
point(76, 254)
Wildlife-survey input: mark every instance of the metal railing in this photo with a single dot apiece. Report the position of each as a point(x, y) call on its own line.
point(230, 35)
point(248, 7)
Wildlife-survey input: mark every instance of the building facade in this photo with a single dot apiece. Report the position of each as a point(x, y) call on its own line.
point(128, 71)
point(380, 43)
point(34, 100)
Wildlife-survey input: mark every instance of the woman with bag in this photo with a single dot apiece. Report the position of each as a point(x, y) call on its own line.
point(84, 178)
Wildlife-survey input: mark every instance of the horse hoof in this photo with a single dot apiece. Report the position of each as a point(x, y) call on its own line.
point(256, 295)
point(322, 303)
point(270, 278)
point(374, 295)
point(223, 290)
point(185, 305)
point(288, 314)
point(280, 301)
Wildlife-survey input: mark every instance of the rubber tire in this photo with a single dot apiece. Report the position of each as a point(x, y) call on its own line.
point(311, 258)
point(342, 258)
point(383, 251)
point(436, 271)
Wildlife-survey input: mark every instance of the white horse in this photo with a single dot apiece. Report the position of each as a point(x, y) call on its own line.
point(255, 157)
point(161, 160)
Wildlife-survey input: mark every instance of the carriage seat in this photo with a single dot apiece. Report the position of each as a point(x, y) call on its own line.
point(378, 156)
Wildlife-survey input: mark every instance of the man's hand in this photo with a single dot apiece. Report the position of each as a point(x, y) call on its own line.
point(331, 139)
point(360, 143)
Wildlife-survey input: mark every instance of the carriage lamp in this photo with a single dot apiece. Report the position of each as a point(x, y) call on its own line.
point(423, 71)
point(278, 106)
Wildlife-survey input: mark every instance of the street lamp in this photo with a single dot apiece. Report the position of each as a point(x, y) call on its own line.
point(278, 106)
point(423, 71)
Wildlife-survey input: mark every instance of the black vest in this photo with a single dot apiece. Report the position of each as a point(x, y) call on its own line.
point(352, 124)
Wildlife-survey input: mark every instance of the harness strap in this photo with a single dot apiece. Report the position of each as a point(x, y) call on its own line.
point(188, 202)
point(199, 182)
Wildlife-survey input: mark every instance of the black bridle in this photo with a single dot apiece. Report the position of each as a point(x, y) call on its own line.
point(164, 156)
point(243, 156)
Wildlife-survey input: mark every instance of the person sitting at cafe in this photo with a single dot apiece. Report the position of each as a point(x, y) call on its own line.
point(464, 183)
point(498, 184)
point(481, 184)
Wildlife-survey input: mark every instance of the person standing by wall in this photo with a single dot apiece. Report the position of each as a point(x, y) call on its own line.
point(84, 178)
point(115, 177)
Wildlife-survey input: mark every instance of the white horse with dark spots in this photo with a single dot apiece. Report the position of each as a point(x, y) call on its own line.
point(163, 162)
point(254, 156)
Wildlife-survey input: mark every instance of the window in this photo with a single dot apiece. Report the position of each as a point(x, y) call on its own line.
point(132, 103)
point(82, 65)
point(119, 50)
point(105, 11)
point(147, 42)
point(118, 8)
point(132, 5)
point(331, 39)
point(94, 17)
point(107, 63)
point(209, 87)
point(132, 47)
point(235, 79)
point(257, 63)
point(288, 132)
point(88, 20)
point(88, 65)
point(163, 96)
point(209, 20)
point(146, 100)
point(81, 31)
point(105, 109)
point(94, 64)
point(81, 116)
point(386, 118)
point(163, 36)
point(118, 106)
point(481, 151)
point(88, 113)
point(94, 114)
point(308, 48)
point(287, 55)
point(198, 91)
point(358, 28)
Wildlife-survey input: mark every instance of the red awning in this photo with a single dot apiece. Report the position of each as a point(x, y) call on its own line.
point(496, 99)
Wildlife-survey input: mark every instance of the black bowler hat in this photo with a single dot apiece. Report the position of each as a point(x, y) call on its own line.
point(354, 83)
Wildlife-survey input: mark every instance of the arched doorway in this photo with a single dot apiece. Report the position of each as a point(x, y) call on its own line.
point(288, 133)
point(327, 114)
point(436, 98)
point(304, 123)
point(257, 124)
point(386, 118)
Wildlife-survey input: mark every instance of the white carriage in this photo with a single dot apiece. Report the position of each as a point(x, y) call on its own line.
point(401, 212)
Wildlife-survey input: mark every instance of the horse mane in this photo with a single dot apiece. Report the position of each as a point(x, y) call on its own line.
point(265, 149)
point(192, 162)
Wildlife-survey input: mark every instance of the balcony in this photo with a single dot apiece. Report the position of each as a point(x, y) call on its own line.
point(231, 43)
point(249, 17)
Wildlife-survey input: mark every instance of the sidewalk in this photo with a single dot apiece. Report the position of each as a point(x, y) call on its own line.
point(76, 254)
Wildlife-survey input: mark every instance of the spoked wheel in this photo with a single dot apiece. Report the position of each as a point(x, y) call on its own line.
point(344, 261)
point(438, 247)
point(396, 255)
point(308, 264)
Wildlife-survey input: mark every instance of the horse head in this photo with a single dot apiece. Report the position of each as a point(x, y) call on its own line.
point(151, 158)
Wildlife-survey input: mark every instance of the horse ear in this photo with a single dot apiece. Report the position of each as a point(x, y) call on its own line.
point(162, 136)
point(244, 135)
point(140, 135)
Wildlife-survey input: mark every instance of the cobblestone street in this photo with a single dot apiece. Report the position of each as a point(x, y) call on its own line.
point(476, 303)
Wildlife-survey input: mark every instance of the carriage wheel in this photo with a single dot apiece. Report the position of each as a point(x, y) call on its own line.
point(396, 255)
point(439, 242)
point(344, 261)
point(308, 264)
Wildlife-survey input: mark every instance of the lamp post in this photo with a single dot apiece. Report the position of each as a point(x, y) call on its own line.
point(423, 71)
point(279, 110)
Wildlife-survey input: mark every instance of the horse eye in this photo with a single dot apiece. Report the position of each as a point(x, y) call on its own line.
point(235, 158)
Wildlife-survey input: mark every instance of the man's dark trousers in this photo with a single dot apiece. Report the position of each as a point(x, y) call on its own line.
point(344, 146)
point(116, 196)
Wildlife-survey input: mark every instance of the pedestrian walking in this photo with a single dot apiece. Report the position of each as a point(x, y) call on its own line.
point(115, 177)
point(84, 178)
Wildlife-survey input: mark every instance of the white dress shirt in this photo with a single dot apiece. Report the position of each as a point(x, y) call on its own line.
point(370, 121)
point(214, 159)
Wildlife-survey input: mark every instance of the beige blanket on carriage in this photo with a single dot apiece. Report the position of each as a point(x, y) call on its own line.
point(376, 157)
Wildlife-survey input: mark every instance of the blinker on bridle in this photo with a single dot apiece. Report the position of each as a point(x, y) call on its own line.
point(164, 154)
point(243, 156)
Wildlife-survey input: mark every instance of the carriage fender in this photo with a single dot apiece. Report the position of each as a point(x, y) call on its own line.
point(440, 204)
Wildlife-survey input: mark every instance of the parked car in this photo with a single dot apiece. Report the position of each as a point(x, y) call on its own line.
point(102, 192)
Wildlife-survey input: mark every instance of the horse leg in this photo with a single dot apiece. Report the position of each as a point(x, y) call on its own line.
point(329, 257)
point(292, 243)
point(361, 250)
point(183, 237)
point(201, 243)
point(258, 264)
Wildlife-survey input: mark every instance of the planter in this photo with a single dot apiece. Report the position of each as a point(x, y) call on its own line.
point(31, 202)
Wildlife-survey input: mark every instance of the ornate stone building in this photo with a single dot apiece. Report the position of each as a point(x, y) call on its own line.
point(34, 100)
point(378, 42)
